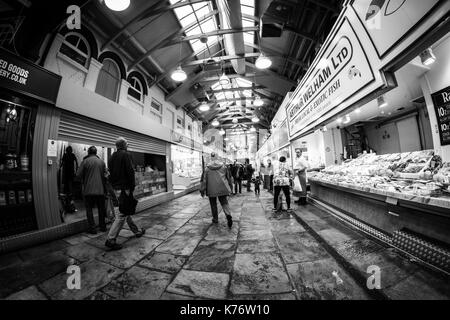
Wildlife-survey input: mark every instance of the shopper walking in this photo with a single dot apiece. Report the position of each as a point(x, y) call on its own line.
point(248, 173)
point(282, 182)
point(92, 174)
point(217, 183)
point(257, 185)
point(69, 168)
point(263, 174)
point(237, 173)
point(122, 179)
point(300, 167)
point(269, 171)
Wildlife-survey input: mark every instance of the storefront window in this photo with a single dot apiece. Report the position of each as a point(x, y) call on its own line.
point(16, 145)
point(150, 177)
point(187, 167)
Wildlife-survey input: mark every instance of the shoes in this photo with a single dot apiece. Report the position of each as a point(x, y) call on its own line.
point(230, 221)
point(113, 245)
point(140, 233)
point(215, 221)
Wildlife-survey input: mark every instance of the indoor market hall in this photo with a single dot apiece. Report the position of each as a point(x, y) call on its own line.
point(224, 157)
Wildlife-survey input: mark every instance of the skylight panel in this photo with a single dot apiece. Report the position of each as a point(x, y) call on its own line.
point(183, 11)
point(193, 31)
point(208, 25)
point(249, 37)
point(248, 10)
point(199, 5)
point(250, 3)
point(243, 83)
point(247, 23)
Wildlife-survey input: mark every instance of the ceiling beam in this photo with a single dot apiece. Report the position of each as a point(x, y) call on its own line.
point(270, 52)
point(153, 10)
point(165, 42)
point(220, 59)
point(320, 3)
point(176, 38)
point(272, 73)
point(185, 85)
point(238, 89)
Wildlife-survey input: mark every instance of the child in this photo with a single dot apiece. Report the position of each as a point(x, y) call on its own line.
point(257, 184)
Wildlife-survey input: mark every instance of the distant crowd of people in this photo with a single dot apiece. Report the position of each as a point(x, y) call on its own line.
point(218, 182)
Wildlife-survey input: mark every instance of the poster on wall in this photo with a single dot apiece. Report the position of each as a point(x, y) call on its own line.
point(342, 72)
point(388, 21)
point(441, 101)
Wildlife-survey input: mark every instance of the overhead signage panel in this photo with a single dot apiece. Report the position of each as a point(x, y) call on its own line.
point(388, 21)
point(343, 70)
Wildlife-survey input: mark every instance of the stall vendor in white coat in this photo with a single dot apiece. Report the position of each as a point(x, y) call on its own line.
point(300, 167)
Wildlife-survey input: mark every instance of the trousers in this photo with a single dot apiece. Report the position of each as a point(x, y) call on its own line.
point(223, 202)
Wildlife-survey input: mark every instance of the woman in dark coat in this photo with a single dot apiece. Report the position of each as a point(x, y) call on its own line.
point(217, 183)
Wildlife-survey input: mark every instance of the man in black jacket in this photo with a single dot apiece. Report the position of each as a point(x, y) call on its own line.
point(122, 180)
point(248, 173)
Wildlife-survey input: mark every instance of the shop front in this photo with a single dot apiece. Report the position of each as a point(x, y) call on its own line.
point(150, 157)
point(27, 94)
point(187, 167)
point(375, 103)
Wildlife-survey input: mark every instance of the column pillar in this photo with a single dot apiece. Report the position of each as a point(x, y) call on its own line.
point(123, 92)
point(90, 82)
point(50, 61)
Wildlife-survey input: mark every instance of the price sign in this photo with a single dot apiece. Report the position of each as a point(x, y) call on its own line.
point(441, 101)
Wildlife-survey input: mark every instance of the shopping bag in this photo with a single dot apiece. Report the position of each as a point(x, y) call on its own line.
point(127, 203)
point(297, 185)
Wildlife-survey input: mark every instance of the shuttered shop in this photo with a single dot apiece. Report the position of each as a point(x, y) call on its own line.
point(75, 128)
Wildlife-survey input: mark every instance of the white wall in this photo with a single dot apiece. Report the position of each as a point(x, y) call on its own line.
point(77, 77)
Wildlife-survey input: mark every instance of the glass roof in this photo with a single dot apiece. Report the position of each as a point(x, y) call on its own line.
point(248, 7)
point(192, 17)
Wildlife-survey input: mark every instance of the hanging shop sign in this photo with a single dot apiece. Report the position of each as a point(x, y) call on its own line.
point(441, 101)
point(387, 22)
point(341, 73)
point(24, 77)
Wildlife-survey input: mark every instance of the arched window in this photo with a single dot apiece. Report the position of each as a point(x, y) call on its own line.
point(108, 80)
point(76, 48)
point(136, 90)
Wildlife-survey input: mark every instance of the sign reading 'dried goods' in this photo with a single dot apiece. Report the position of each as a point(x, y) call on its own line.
point(441, 101)
point(342, 71)
point(27, 78)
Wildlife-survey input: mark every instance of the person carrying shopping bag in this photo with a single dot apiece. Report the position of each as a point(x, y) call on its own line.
point(300, 167)
point(282, 182)
point(216, 183)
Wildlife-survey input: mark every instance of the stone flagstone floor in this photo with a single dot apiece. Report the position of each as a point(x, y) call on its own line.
point(184, 256)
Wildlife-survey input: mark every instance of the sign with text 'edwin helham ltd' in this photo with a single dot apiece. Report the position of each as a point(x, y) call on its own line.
point(341, 72)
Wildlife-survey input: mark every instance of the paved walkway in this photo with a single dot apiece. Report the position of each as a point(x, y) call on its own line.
point(183, 256)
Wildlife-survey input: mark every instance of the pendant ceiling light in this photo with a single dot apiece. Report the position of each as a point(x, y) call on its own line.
point(258, 102)
point(222, 132)
point(381, 102)
point(226, 139)
point(255, 119)
point(224, 80)
point(215, 123)
point(263, 62)
point(235, 120)
point(339, 120)
point(204, 107)
point(179, 75)
point(252, 129)
point(427, 57)
point(117, 5)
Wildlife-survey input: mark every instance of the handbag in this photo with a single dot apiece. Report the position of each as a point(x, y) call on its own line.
point(127, 203)
point(297, 185)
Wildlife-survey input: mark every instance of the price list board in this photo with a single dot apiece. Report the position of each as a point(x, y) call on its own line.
point(441, 101)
